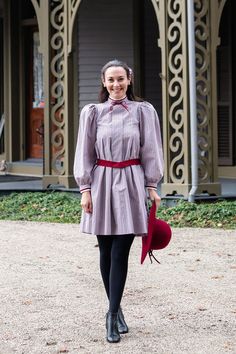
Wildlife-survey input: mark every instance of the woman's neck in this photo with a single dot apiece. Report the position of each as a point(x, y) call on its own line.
point(117, 99)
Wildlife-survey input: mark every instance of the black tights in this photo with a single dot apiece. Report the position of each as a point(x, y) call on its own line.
point(114, 254)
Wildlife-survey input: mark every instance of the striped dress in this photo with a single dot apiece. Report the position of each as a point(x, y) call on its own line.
point(117, 132)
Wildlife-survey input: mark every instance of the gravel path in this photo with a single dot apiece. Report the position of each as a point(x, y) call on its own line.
point(52, 299)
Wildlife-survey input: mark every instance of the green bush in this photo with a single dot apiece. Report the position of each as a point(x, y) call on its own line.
point(37, 206)
point(65, 208)
point(219, 214)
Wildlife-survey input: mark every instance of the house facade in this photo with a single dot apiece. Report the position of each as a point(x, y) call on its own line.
point(51, 53)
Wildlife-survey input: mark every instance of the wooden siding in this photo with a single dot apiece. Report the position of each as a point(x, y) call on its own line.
point(105, 32)
point(1, 8)
point(152, 85)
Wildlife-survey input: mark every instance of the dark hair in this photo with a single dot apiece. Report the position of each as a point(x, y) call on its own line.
point(104, 94)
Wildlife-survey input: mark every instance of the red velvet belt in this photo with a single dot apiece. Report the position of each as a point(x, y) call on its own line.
point(120, 164)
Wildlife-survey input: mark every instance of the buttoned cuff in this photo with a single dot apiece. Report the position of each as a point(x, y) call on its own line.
point(151, 185)
point(85, 188)
point(151, 188)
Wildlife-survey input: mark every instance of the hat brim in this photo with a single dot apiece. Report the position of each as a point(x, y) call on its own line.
point(159, 234)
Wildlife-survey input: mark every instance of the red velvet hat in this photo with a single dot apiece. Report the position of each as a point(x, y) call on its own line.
point(158, 237)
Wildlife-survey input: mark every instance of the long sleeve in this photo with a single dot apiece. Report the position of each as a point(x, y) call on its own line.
point(85, 154)
point(151, 153)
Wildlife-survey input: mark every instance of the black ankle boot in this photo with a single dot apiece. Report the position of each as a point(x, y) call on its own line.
point(122, 326)
point(113, 335)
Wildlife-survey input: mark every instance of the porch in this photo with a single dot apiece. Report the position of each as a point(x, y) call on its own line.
point(44, 126)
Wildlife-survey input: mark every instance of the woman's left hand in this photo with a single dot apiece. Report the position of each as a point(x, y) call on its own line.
point(154, 197)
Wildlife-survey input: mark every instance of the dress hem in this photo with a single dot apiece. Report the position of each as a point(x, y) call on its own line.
point(128, 233)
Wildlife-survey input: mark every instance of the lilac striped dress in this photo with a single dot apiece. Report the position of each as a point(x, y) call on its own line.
point(119, 132)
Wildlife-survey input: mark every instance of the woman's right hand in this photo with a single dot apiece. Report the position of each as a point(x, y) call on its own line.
point(86, 202)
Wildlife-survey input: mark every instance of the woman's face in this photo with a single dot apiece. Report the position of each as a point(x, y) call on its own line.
point(116, 82)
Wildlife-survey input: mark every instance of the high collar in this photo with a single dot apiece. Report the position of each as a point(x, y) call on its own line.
point(122, 100)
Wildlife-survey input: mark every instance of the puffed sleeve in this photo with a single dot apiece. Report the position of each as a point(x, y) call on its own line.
point(85, 155)
point(151, 153)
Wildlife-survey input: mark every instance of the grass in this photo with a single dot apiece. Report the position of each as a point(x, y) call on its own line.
point(37, 206)
point(65, 208)
point(219, 214)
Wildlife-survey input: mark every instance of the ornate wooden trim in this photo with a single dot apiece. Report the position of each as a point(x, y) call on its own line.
point(178, 177)
point(177, 131)
point(156, 5)
point(204, 89)
point(221, 4)
point(73, 6)
point(59, 47)
point(40, 19)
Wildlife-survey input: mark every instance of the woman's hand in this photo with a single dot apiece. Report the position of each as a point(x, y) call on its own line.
point(154, 197)
point(86, 202)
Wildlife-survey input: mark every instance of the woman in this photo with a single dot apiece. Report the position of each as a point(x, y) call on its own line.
point(118, 157)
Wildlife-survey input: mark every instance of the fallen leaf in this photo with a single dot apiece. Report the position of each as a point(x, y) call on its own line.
point(63, 350)
point(217, 277)
point(51, 342)
point(27, 302)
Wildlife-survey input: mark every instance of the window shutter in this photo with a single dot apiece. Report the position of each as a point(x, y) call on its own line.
point(225, 151)
point(104, 33)
point(224, 136)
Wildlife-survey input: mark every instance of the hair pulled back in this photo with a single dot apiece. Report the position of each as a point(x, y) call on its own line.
point(104, 94)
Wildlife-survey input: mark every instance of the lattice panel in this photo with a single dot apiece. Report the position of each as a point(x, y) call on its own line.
point(203, 82)
point(58, 45)
point(176, 92)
